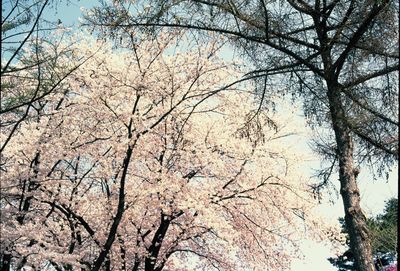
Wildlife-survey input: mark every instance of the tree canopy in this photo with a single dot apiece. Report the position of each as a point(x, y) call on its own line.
point(142, 163)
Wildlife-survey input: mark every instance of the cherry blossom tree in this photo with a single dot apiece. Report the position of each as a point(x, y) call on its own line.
point(34, 66)
point(339, 58)
point(149, 161)
point(25, 32)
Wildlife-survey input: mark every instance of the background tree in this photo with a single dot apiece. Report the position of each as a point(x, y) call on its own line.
point(31, 76)
point(146, 162)
point(383, 229)
point(339, 57)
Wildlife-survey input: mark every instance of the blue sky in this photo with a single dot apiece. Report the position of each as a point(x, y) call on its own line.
point(69, 12)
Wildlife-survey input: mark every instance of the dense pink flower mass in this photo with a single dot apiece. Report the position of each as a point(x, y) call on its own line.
point(141, 160)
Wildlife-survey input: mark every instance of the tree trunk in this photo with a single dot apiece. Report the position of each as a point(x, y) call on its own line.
point(354, 217)
point(118, 216)
point(6, 262)
point(154, 249)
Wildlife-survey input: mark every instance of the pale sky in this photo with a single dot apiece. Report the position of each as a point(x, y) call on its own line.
point(315, 258)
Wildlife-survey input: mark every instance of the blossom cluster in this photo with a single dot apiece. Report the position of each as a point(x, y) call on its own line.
point(149, 143)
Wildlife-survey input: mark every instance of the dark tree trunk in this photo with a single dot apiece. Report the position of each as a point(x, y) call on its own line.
point(6, 262)
point(154, 249)
point(117, 219)
point(354, 217)
point(122, 250)
point(31, 184)
point(136, 265)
